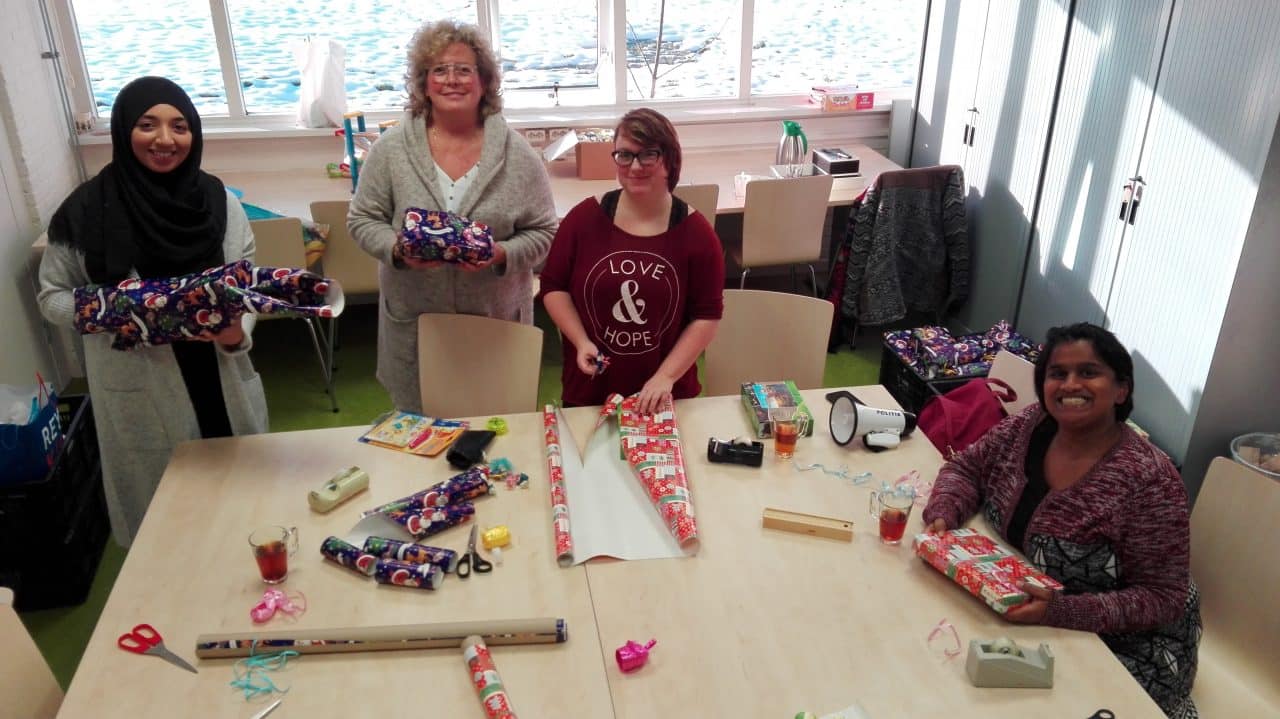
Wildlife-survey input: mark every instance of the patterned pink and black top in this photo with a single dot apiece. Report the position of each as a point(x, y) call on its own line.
point(1118, 540)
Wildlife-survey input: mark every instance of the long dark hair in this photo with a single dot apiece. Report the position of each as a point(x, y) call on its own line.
point(1109, 350)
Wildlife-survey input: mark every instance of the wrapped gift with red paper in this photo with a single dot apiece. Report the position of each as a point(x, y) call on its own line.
point(439, 235)
point(984, 568)
point(651, 445)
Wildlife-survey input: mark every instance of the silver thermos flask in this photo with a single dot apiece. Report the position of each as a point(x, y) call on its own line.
point(792, 149)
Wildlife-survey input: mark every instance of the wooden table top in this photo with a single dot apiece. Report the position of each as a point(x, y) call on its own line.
point(761, 623)
point(293, 192)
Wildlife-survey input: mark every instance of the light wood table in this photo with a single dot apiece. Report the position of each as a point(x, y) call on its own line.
point(190, 571)
point(292, 193)
point(760, 623)
point(764, 623)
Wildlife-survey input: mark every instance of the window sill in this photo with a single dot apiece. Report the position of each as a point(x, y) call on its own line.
point(282, 127)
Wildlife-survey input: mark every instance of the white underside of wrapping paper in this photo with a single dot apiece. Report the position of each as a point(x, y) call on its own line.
point(610, 514)
point(377, 525)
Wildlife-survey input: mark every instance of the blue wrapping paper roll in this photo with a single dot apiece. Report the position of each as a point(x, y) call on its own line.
point(405, 574)
point(383, 548)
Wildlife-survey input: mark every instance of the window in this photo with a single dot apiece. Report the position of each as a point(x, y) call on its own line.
point(127, 39)
point(552, 51)
point(375, 34)
point(869, 43)
point(682, 48)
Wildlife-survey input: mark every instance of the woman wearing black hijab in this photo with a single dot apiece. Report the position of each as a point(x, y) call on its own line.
point(153, 213)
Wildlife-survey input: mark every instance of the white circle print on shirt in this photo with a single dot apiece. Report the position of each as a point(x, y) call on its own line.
point(632, 300)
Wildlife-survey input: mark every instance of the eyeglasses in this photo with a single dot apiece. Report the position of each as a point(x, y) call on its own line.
point(460, 70)
point(624, 158)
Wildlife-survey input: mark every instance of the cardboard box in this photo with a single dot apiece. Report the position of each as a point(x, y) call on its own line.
point(759, 397)
point(835, 98)
point(592, 150)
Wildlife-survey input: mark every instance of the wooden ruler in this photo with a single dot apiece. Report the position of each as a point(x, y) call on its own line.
point(810, 524)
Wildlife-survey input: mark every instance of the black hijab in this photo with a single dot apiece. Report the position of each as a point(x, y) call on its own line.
point(164, 224)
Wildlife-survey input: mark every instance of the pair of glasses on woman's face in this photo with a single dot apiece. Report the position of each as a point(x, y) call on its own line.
point(624, 158)
point(459, 70)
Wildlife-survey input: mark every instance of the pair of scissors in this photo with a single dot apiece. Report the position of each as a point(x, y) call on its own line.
point(472, 559)
point(144, 639)
point(268, 710)
point(1103, 714)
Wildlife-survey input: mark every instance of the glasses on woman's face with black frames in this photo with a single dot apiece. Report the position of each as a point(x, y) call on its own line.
point(624, 158)
point(460, 70)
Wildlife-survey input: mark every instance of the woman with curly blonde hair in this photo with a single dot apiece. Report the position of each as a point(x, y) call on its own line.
point(452, 151)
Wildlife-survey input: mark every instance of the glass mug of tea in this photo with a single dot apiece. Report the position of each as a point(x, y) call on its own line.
point(787, 423)
point(892, 508)
point(272, 547)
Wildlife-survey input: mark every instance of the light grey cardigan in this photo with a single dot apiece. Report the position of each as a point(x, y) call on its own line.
point(140, 403)
point(511, 194)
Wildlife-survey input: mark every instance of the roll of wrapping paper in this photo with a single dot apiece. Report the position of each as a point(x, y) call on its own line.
point(443, 635)
point(383, 548)
point(349, 555)
point(484, 675)
point(559, 499)
point(468, 485)
point(407, 574)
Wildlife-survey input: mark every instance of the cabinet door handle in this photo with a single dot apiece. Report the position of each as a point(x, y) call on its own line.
point(964, 139)
point(1137, 199)
point(972, 132)
point(1125, 197)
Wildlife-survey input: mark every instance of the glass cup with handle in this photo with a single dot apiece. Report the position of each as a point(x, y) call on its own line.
point(272, 547)
point(892, 508)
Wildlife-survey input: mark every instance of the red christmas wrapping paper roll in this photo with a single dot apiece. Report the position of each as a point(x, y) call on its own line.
point(484, 675)
point(559, 499)
point(985, 569)
point(651, 445)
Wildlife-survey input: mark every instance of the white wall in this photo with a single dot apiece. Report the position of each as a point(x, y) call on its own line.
point(38, 169)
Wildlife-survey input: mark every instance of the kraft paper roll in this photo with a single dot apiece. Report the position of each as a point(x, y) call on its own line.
point(442, 635)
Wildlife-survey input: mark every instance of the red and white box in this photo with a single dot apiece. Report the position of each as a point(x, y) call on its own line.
point(984, 568)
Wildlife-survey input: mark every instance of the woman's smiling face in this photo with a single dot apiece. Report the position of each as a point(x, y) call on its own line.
point(161, 138)
point(1080, 389)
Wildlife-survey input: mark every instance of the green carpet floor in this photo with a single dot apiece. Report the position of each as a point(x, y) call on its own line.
point(296, 400)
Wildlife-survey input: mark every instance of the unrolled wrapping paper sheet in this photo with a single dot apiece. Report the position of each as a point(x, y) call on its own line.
point(619, 509)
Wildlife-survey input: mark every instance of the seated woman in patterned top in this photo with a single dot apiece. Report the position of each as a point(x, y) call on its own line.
point(1092, 504)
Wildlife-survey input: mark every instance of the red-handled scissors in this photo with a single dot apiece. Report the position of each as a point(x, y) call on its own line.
point(144, 639)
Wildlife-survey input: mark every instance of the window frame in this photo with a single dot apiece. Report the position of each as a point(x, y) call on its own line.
point(611, 93)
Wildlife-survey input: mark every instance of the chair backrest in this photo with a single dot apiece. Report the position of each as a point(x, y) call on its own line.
point(1235, 523)
point(1018, 374)
point(470, 365)
point(768, 336)
point(278, 242)
point(344, 261)
point(703, 198)
point(782, 220)
point(27, 685)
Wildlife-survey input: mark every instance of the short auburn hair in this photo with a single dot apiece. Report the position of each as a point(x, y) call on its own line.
point(650, 128)
point(428, 43)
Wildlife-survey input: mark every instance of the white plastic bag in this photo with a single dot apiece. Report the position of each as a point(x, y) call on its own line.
point(322, 97)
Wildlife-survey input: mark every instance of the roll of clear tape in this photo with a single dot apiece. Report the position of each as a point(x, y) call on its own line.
point(1005, 645)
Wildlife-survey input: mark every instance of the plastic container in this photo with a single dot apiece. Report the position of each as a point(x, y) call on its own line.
point(52, 531)
point(907, 386)
point(1258, 450)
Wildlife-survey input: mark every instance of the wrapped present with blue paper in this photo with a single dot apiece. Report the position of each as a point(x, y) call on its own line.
point(435, 235)
point(161, 311)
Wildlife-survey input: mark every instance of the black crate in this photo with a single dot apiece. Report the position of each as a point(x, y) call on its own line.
point(52, 531)
point(907, 386)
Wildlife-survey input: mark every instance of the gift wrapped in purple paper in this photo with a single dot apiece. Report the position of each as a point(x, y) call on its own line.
point(432, 520)
point(404, 574)
point(933, 353)
point(349, 556)
point(384, 548)
point(439, 235)
point(161, 311)
point(468, 485)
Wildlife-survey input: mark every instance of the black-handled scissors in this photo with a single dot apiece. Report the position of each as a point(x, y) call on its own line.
point(1103, 714)
point(471, 559)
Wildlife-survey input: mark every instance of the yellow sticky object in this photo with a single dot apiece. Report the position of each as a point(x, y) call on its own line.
point(498, 536)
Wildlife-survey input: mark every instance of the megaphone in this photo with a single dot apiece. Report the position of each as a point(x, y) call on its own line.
point(880, 429)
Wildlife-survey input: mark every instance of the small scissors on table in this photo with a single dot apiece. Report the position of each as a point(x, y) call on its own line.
point(144, 639)
point(1103, 714)
point(472, 559)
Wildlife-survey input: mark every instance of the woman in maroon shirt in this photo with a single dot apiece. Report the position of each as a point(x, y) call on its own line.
point(1093, 505)
point(634, 277)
